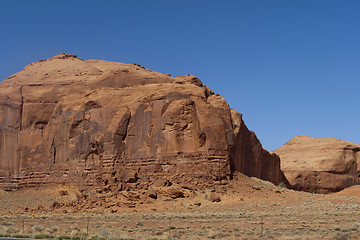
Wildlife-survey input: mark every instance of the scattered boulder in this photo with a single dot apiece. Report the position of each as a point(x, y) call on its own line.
point(56, 205)
point(63, 192)
point(120, 187)
point(78, 195)
point(162, 183)
point(129, 176)
point(188, 186)
point(131, 195)
point(151, 193)
point(214, 197)
point(175, 193)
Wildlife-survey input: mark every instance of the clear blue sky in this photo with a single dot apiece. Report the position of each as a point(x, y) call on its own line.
point(290, 66)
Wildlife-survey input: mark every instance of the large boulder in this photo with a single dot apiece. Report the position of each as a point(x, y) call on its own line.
point(320, 165)
point(66, 120)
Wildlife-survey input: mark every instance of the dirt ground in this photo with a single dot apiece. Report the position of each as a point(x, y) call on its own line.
point(249, 209)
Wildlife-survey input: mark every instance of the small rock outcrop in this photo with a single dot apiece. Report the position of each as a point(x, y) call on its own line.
point(66, 120)
point(320, 165)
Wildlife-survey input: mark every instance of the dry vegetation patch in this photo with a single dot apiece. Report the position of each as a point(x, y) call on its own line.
point(249, 209)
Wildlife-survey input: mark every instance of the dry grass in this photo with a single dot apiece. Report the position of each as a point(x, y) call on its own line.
point(243, 213)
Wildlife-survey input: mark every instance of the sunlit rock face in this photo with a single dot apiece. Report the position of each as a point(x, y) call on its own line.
point(66, 120)
point(320, 165)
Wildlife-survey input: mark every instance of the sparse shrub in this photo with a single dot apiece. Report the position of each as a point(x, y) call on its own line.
point(219, 235)
point(5, 235)
point(12, 230)
point(81, 236)
point(104, 232)
point(3, 229)
point(356, 225)
point(54, 229)
point(21, 236)
point(6, 223)
point(43, 236)
point(37, 228)
point(95, 237)
point(282, 185)
point(342, 237)
point(64, 237)
point(74, 232)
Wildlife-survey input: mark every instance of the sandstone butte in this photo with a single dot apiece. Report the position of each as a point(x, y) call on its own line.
point(320, 165)
point(66, 120)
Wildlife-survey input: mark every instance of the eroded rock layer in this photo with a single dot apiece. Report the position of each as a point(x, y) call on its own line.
point(65, 120)
point(320, 165)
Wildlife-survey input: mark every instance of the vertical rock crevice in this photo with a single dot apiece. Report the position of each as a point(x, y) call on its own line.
point(21, 108)
point(53, 149)
point(120, 134)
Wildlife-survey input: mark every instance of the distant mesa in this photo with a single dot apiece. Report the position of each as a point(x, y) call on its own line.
point(100, 123)
point(320, 165)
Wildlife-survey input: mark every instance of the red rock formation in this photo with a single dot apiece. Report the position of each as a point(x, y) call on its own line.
point(320, 165)
point(93, 122)
point(250, 158)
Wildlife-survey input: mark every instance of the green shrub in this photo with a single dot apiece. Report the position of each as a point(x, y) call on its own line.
point(37, 228)
point(21, 236)
point(54, 229)
point(95, 237)
point(12, 230)
point(5, 223)
point(5, 235)
point(43, 236)
point(64, 237)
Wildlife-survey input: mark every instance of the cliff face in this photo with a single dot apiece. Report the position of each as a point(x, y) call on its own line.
point(65, 120)
point(250, 158)
point(320, 165)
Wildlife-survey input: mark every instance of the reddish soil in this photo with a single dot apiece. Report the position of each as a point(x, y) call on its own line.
point(249, 209)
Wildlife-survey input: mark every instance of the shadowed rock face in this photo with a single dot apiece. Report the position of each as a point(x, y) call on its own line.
point(250, 158)
point(65, 120)
point(320, 165)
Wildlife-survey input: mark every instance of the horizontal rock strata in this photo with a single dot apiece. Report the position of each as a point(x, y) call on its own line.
point(66, 120)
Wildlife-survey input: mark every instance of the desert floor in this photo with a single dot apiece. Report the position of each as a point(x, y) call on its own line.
point(249, 209)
